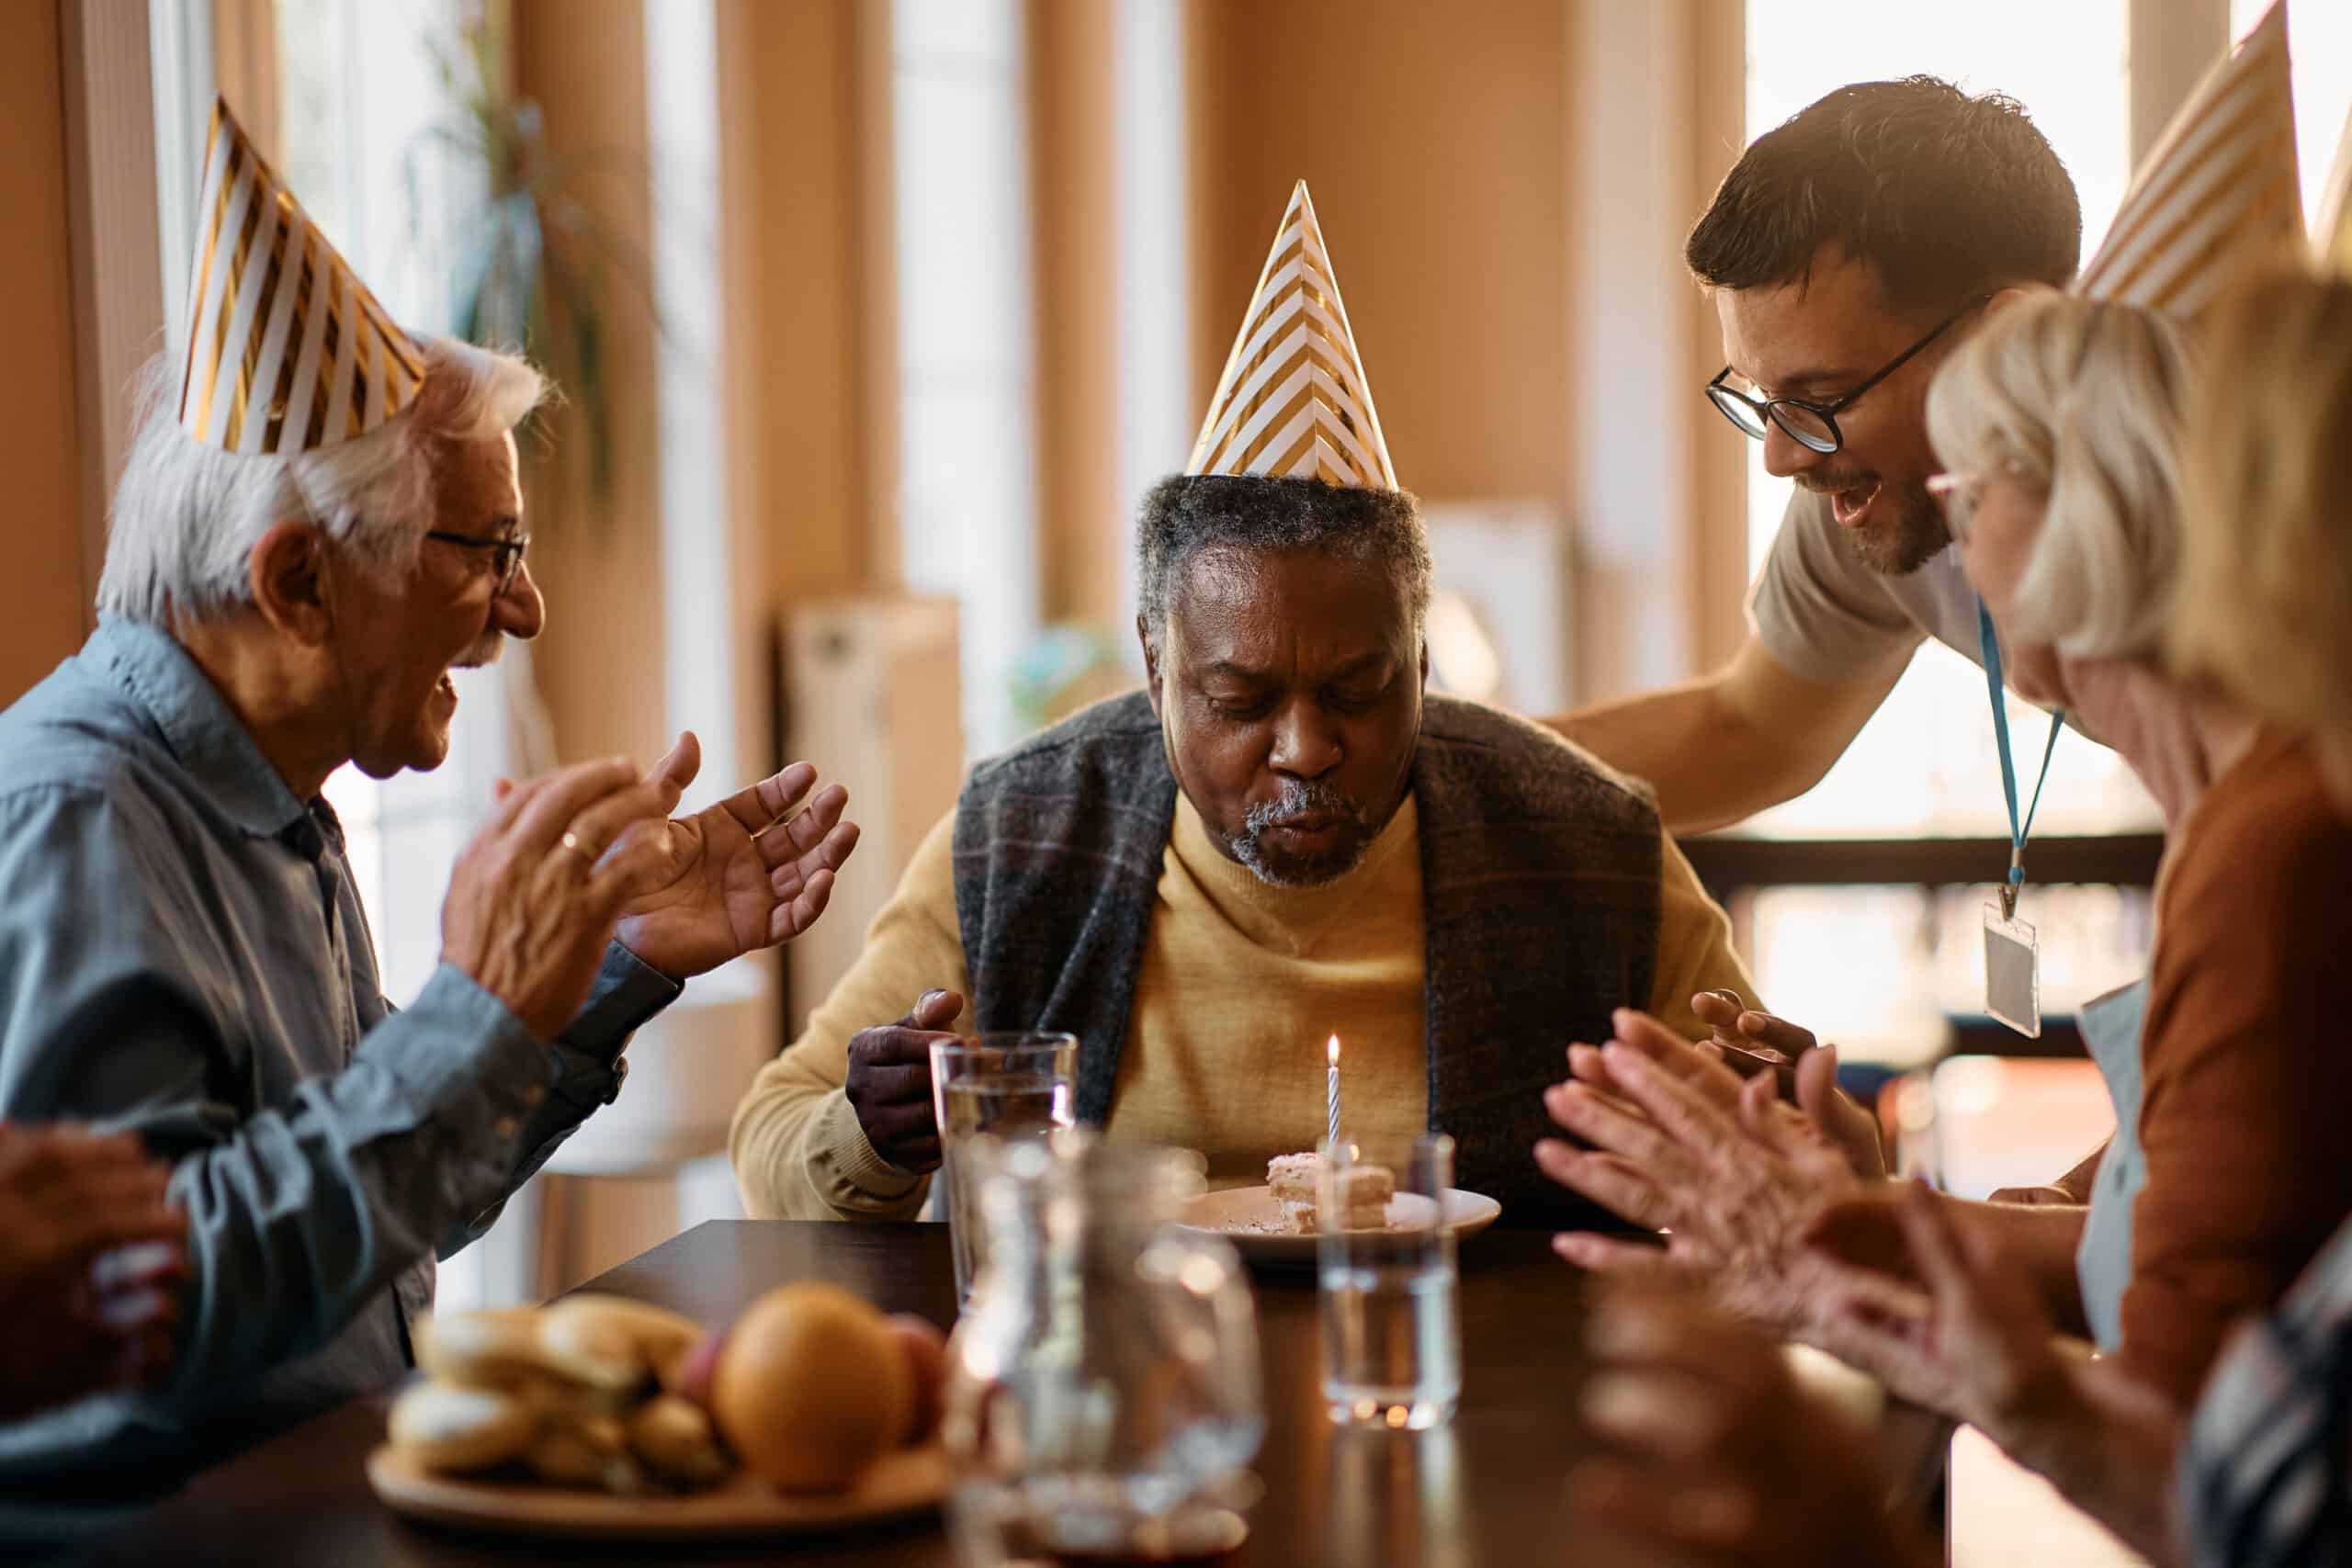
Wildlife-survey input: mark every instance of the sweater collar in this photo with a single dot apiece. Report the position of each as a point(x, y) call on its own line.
point(1288, 917)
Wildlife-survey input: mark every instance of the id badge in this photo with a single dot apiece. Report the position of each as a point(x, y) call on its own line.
point(2012, 973)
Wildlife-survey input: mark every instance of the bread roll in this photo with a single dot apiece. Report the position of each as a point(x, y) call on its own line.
point(444, 1428)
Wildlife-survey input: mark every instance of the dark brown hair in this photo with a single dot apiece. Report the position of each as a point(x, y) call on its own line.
point(1947, 196)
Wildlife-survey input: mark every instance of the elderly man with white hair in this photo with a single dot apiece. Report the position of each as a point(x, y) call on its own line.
point(320, 518)
point(2061, 420)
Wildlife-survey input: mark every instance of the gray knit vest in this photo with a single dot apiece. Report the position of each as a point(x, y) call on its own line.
point(1540, 892)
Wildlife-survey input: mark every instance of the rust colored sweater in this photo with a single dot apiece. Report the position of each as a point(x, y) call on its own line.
point(2247, 1109)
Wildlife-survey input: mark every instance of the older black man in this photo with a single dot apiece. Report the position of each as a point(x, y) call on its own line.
point(1281, 839)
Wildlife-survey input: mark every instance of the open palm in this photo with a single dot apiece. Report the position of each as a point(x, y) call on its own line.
point(734, 878)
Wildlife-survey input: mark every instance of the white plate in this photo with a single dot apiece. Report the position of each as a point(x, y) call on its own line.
point(905, 1481)
point(1250, 1219)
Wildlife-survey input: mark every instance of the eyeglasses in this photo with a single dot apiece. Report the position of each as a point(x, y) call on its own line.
point(1957, 493)
point(1810, 424)
point(1960, 494)
point(505, 550)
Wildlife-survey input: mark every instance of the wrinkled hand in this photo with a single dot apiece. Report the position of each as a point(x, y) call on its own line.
point(1679, 1143)
point(1847, 1125)
point(889, 1082)
point(533, 897)
point(1974, 1341)
point(1970, 1340)
point(91, 1258)
point(733, 878)
point(1714, 1452)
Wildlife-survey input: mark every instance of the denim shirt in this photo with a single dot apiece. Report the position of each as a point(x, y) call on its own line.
point(182, 952)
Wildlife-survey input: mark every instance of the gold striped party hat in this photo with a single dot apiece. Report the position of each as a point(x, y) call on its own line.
point(287, 351)
point(2217, 196)
point(1293, 401)
point(2331, 236)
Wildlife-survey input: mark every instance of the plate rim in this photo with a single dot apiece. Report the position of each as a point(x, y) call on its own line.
point(920, 1480)
point(1486, 1211)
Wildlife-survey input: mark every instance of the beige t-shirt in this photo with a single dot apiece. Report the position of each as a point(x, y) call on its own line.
point(1829, 618)
point(1241, 985)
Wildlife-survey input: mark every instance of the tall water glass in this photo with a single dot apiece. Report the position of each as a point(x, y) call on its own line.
point(1390, 1326)
point(1009, 1087)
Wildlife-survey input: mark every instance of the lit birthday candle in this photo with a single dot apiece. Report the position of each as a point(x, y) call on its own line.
point(1331, 1088)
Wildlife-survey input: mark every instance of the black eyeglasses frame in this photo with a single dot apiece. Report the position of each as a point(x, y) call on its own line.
point(506, 550)
point(1766, 411)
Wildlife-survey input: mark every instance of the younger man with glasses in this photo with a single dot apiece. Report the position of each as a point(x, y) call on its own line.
point(1846, 253)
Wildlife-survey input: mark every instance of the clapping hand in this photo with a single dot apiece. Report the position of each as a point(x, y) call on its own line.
point(1676, 1142)
point(1972, 1338)
point(736, 877)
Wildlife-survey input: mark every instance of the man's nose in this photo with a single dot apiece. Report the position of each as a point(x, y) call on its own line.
point(1786, 457)
point(519, 610)
point(1306, 744)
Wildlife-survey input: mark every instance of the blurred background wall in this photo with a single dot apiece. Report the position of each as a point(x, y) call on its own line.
point(897, 306)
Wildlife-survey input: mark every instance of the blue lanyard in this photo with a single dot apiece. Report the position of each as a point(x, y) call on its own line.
point(1992, 647)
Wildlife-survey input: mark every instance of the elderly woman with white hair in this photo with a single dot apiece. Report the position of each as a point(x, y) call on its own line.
point(182, 952)
point(2059, 422)
point(2243, 1112)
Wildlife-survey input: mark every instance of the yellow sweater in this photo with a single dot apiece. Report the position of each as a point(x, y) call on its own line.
point(1241, 985)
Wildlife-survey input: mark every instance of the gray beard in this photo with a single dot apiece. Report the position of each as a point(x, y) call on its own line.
point(1297, 800)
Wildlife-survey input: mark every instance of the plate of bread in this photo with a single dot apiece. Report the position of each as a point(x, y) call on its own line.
point(601, 1417)
point(1279, 1221)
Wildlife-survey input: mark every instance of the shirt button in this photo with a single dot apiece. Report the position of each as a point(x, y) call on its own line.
point(535, 1096)
point(505, 1127)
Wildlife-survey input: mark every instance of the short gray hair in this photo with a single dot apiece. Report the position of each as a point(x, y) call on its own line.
point(1186, 515)
point(186, 516)
point(2082, 400)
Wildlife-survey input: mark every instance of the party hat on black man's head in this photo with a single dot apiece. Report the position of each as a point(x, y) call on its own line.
point(286, 352)
point(1293, 401)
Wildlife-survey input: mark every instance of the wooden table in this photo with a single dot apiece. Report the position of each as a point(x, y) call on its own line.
point(1485, 1490)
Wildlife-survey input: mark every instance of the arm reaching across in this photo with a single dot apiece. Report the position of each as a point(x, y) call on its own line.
point(1722, 748)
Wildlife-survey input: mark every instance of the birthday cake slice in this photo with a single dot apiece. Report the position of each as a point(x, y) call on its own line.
point(1294, 1181)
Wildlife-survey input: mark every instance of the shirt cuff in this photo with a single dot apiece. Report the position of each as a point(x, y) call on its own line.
point(842, 1146)
point(458, 1045)
point(628, 991)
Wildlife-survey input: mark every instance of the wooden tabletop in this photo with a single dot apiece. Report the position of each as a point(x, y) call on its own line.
point(1485, 1490)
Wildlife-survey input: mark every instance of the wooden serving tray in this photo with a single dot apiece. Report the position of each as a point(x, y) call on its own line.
point(903, 1481)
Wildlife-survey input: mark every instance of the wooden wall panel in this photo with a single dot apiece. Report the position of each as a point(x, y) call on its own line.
point(44, 593)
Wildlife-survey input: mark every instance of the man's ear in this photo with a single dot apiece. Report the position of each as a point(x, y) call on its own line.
point(288, 574)
point(2003, 298)
point(1150, 663)
point(1425, 662)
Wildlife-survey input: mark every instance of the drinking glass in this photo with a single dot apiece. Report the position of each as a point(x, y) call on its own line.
point(1104, 1391)
point(1390, 1326)
point(1009, 1087)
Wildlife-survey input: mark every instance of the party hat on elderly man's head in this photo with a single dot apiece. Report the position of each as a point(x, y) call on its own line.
point(2219, 195)
point(1293, 401)
point(286, 352)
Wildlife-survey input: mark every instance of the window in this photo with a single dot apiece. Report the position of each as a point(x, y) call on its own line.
point(358, 90)
point(1926, 765)
point(967, 493)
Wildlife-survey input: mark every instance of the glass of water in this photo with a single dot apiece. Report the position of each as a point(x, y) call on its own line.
point(1008, 1088)
point(1390, 1327)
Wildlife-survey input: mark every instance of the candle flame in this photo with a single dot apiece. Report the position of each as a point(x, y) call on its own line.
point(1331, 1051)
